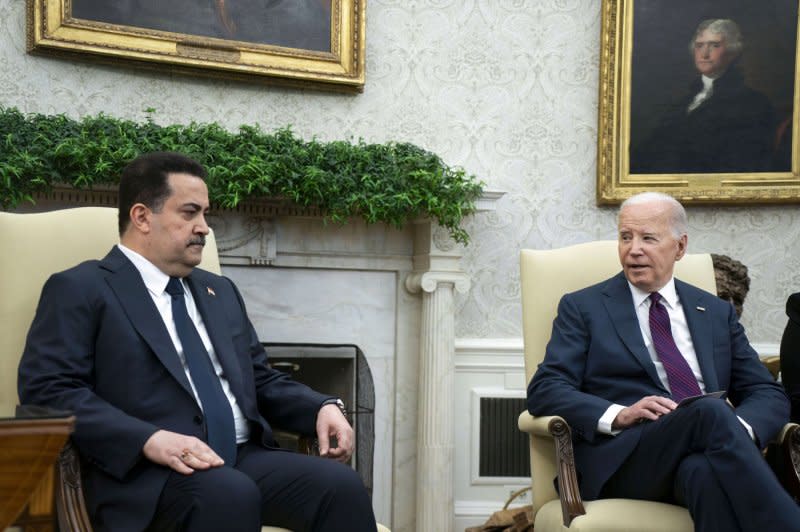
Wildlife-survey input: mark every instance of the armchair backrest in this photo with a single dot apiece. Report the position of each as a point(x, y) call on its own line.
point(34, 246)
point(545, 276)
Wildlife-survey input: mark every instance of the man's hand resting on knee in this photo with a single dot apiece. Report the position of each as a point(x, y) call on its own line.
point(331, 422)
point(182, 453)
point(650, 408)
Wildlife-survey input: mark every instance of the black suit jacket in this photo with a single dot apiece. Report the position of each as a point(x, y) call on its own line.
point(99, 348)
point(597, 357)
point(731, 131)
point(790, 354)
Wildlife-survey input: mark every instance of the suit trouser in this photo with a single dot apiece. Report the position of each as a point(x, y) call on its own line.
point(279, 488)
point(702, 457)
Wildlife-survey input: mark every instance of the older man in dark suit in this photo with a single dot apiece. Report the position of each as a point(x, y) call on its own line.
point(174, 399)
point(623, 355)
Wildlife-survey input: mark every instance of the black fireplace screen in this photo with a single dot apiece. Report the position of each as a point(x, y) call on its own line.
point(341, 371)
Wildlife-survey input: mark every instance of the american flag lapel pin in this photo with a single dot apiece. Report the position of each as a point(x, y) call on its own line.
point(701, 309)
point(210, 291)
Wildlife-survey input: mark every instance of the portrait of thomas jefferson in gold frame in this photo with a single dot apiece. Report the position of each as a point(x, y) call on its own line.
point(668, 123)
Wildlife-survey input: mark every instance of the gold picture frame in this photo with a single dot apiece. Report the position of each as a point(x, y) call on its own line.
point(295, 43)
point(647, 48)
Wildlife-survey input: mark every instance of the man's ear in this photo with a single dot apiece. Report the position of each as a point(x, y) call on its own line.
point(140, 217)
point(683, 242)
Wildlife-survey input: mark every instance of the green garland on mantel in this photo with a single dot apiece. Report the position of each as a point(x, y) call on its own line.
point(392, 183)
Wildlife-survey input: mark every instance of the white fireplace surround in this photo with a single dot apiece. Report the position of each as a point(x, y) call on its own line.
point(390, 292)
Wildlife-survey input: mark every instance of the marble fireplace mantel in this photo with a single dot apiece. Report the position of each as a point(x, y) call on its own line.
point(391, 292)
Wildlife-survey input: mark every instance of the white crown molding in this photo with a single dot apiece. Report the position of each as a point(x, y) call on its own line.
point(489, 346)
point(489, 355)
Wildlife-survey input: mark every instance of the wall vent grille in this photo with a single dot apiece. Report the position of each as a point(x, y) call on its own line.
point(504, 450)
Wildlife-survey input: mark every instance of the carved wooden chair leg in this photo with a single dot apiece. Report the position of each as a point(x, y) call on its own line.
point(569, 492)
point(70, 504)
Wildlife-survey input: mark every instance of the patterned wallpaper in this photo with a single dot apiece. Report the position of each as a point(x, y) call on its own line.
point(505, 88)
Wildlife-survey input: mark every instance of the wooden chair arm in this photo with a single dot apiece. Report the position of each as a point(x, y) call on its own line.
point(786, 433)
point(537, 426)
point(70, 505)
point(304, 444)
point(773, 364)
point(568, 491)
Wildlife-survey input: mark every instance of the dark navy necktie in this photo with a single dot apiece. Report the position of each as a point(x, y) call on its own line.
point(216, 407)
point(682, 382)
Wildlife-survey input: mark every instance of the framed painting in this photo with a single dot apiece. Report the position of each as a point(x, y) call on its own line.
point(304, 42)
point(697, 100)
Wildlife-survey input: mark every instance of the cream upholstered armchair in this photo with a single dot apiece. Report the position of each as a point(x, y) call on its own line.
point(35, 246)
point(545, 276)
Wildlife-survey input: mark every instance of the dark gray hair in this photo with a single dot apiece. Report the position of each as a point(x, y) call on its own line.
point(722, 26)
point(678, 222)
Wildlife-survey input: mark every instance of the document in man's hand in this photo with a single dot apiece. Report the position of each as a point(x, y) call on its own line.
point(688, 400)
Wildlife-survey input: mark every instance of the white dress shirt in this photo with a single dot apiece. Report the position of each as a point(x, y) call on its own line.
point(681, 335)
point(156, 282)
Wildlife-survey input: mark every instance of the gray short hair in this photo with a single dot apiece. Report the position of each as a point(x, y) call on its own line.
point(722, 26)
point(678, 222)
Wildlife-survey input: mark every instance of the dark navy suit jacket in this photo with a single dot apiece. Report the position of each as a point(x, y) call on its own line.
point(99, 348)
point(597, 356)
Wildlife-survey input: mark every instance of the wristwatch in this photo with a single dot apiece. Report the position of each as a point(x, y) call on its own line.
point(339, 403)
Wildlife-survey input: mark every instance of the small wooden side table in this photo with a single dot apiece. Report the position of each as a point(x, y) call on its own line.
point(30, 441)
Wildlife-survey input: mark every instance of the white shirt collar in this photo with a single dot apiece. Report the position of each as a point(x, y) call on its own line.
point(707, 82)
point(154, 279)
point(668, 293)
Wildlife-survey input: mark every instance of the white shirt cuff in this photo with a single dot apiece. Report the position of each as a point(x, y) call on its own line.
point(748, 427)
point(606, 420)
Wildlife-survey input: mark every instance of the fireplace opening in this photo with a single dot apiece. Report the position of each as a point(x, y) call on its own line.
point(341, 371)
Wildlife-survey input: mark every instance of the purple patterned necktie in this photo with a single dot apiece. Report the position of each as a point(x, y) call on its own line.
point(680, 376)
